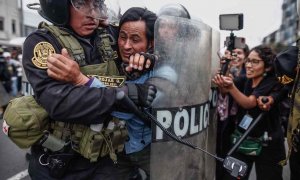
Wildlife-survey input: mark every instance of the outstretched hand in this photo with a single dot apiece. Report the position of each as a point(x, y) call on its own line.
point(225, 83)
point(62, 68)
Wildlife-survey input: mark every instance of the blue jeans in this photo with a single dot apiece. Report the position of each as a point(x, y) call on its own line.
point(14, 86)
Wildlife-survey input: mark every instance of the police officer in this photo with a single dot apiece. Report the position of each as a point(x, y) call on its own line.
point(74, 109)
point(136, 37)
point(294, 122)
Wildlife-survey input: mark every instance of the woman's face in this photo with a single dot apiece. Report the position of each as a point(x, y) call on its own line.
point(239, 59)
point(255, 66)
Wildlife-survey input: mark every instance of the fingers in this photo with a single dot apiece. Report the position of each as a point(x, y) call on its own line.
point(54, 64)
point(265, 106)
point(218, 80)
point(128, 68)
point(223, 60)
point(65, 53)
point(62, 68)
point(151, 94)
point(231, 76)
point(140, 61)
point(148, 64)
point(136, 61)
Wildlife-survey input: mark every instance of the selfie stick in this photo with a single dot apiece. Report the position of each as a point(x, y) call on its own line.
point(146, 117)
point(235, 166)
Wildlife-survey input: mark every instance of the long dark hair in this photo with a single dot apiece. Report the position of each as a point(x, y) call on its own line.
point(267, 55)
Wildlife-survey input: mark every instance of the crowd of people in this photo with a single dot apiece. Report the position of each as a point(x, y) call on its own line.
point(77, 70)
point(258, 80)
point(10, 75)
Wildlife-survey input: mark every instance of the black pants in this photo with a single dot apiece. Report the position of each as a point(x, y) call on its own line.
point(295, 165)
point(224, 130)
point(128, 163)
point(79, 168)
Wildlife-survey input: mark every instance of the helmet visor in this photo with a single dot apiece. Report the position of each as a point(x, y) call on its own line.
point(93, 8)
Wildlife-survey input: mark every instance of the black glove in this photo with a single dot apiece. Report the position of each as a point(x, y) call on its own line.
point(152, 59)
point(135, 73)
point(141, 94)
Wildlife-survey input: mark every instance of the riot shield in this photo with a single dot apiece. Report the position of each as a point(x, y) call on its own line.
point(213, 97)
point(182, 76)
point(215, 60)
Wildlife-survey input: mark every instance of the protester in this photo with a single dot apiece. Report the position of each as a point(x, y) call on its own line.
point(136, 36)
point(5, 87)
point(13, 66)
point(227, 107)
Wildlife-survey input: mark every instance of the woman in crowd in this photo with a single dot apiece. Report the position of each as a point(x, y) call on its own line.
point(227, 107)
point(259, 81)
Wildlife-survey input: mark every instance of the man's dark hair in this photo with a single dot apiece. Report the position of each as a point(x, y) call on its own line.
point(137, 14)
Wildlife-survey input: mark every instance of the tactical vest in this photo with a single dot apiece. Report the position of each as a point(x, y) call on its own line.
point(294, 117)
point(90, 143)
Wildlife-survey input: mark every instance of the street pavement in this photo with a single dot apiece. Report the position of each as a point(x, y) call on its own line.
point(13, 159)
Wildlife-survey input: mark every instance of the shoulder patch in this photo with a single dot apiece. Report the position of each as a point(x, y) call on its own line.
point(40, 54)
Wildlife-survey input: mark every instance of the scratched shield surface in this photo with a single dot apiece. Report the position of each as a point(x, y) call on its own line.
point(182, 76)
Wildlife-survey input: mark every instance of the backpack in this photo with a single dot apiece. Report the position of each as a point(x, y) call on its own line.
point(25, 121)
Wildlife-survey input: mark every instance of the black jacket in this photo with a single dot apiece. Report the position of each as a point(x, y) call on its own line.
point(63, 101)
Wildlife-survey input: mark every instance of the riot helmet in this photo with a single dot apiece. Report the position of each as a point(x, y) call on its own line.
point(176, 10)
point(57, 12)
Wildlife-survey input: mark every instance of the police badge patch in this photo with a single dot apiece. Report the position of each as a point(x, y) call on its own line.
point(40, 54)
point(115, 81)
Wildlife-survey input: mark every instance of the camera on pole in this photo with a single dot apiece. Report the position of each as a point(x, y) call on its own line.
point(231, 22)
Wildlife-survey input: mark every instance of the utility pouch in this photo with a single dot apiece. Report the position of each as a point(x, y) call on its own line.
point(25, 121)
point(250, 146)
point(90, 144)
point(52, 143)
point(99, 144)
